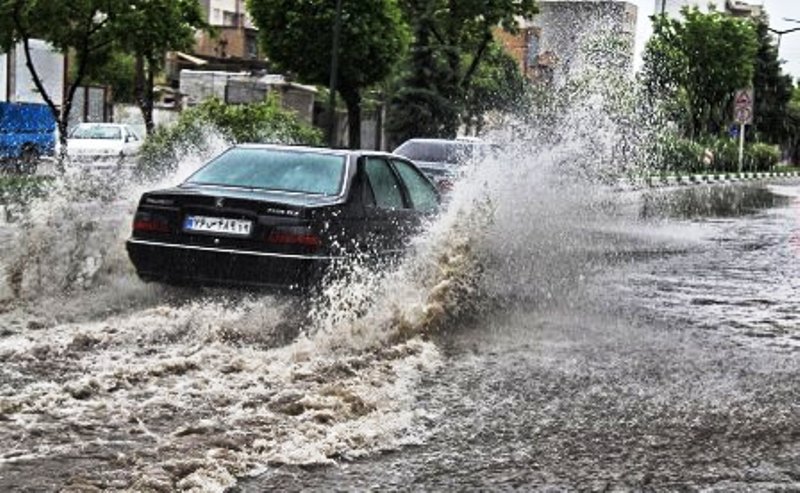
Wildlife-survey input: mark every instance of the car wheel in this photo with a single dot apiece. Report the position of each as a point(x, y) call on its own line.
point(28, 160)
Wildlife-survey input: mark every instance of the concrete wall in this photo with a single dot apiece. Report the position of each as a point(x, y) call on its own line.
point(131, 114)
point(241, 88)
point(673, 7)
point(17, 83)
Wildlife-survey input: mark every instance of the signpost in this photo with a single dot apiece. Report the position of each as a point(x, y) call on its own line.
point(743, 114)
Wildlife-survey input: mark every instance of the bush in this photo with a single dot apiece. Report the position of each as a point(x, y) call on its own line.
point(676, 154)
point(761, 157)
point(726, 154)
point(264, 122)
point(683, 155)
point(21, 189)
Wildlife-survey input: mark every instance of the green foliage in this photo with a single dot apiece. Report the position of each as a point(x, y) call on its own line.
point(726, 154)
point(793, 126)
point(498, 85)
point(20, 189)
point(264, 122)
point(298, 38)
point(94, 30)
point(83, 27)
point(673, 154)
point(452, 39)
point(150, 28)
point(761, 157)
point(117, 71)
point(773, 90)
point(696, 63)
point(680, 155)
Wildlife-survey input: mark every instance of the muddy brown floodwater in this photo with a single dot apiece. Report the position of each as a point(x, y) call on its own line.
point(655, 349)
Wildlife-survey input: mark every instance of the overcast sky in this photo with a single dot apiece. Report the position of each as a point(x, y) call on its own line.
point(777, 11)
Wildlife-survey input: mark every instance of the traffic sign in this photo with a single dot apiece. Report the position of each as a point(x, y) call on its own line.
point(743, 113)
point(744, 116)
point(743, 106)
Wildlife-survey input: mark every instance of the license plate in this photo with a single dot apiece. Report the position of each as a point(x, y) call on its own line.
point(218, 225)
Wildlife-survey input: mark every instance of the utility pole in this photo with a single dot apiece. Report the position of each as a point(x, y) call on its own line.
point(337, 28)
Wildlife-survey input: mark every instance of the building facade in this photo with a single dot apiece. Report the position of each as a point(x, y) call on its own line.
point(567, 37)
point(236, 35)
point(737, 8)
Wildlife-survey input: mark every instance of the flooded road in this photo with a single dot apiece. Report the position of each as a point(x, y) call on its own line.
point(675, 369)
point(653, 344)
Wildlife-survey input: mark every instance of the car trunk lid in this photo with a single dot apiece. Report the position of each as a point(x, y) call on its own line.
point(236, 219)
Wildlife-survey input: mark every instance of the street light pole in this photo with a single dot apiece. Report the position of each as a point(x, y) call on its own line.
point(337, 27)
point(781, 33)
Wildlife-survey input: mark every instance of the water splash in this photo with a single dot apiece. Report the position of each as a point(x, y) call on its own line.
point(206, 381)
point(69, 244)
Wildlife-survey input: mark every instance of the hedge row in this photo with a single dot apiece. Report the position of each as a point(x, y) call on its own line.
point(683, 155)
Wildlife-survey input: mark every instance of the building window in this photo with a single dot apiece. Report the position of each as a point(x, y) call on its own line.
point(229, 18)
point(251, 45)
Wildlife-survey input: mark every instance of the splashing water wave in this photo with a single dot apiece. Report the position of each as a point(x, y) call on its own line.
point(188, 390)
point(193, 391)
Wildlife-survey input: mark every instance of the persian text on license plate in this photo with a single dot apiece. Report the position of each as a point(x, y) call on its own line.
point(221, 225)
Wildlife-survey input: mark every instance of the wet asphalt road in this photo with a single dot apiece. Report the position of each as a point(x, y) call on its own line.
point(675, 368)
point(658, 353)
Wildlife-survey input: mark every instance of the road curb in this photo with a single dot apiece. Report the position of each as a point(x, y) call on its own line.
point(658, 181)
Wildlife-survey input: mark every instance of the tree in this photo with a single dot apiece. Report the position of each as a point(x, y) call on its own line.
point(773, 89)
point(297, 37)
point(697, 62)
point(147, 30)
point(420, 106)
point(82, 27)
point(117, 71)
point(793, 125)
point(92, 32)
point(452, 38)
point(264, 122)
point(498, 85)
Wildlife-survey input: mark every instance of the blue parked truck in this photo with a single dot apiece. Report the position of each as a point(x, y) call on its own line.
point(27, 132)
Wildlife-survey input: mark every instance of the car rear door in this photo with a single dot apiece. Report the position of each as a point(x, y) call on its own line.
point(387, 208)
point(420, 190)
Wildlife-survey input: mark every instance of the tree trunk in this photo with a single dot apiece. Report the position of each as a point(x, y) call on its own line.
point(352, 99)
point(143, 87)
point(61, 116)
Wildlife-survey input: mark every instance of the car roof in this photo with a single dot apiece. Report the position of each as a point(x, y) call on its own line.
point(457, 140)
point(321, 150)
point(102, 124)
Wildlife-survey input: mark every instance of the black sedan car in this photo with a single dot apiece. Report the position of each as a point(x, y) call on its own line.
point(278, 216)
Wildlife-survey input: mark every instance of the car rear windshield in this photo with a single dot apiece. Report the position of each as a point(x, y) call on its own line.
point(274, 169)
point(436, 152)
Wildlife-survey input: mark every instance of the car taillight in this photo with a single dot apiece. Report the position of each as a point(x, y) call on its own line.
point(290, 236)
point(148, 223)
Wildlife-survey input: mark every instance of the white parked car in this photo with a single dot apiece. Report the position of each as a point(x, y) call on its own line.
point(102, 141)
